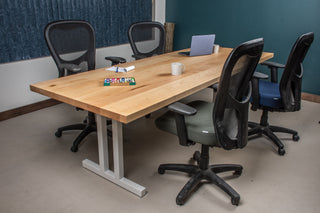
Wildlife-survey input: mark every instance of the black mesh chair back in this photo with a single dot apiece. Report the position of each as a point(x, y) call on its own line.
point(290, 83)
point(71, 42)
point(72, 46)
point(230, 113)
point(146, 39)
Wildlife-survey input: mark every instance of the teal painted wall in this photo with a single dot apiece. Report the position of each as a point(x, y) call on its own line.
point(279, 22)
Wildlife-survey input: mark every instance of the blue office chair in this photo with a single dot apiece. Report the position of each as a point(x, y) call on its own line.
point(220, 124)
point(282, 97)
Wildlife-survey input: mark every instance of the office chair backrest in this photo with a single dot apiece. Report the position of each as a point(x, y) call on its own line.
point(146, 39)
point(290, 83)
point(71, 42)
point(230, 113)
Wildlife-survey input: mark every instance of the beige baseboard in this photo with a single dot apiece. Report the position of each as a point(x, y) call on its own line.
point(310, 97)
point(51, 102)
point(26, 109)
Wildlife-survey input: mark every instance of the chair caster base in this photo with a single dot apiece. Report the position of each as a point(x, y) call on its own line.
point(235, 201)
point(179, 201)
point(160, 171)
point(58, 134)
point(295, 137)
point(237, 173)
point(74, 149)
point(281, 151)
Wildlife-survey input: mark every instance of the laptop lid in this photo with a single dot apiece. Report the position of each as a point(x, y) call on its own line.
point(201, 45)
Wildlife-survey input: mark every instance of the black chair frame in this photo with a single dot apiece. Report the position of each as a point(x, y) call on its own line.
point(69, 67)
point(149, 25)
point(290, 90)
point(235, 99)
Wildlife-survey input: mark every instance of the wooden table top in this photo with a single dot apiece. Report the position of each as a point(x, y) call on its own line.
point(155, 86)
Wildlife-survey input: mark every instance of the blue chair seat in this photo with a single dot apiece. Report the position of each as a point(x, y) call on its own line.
point(269, 94)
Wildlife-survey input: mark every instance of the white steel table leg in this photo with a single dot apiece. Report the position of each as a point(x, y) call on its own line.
point(102, 169)
point(117, 149)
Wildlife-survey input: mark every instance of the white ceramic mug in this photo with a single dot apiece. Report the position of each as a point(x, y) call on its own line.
point(177, 68)
point(216, 48)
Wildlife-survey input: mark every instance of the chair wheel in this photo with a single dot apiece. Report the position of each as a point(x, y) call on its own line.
point(295, 137)
point(235, 200)
point(58, 134)
point(74, 149)
point(179, 201)
point(160, 171)
point(196, 156)
point(237, 173)
point(281, 151)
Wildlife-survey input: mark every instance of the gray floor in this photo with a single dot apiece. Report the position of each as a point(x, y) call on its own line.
point(38, 173)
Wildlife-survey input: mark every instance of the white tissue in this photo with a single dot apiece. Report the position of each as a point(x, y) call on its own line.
point(121, 69)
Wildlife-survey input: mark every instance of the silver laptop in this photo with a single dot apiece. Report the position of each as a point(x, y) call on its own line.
point(201, 45)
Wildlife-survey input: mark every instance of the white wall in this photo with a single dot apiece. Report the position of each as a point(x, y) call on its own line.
point(17, 76)
point(160, 11)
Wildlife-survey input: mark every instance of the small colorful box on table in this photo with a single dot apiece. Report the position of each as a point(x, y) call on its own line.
point(125, 81)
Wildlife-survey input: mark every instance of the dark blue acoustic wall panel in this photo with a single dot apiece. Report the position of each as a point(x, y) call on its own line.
point(22, 22)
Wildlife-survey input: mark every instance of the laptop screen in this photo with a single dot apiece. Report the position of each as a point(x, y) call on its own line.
point(202, 44)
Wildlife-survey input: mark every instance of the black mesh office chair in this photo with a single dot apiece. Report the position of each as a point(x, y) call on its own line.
point(220, 124)
point(146, 39)
point(282, 97)
point(72, 46)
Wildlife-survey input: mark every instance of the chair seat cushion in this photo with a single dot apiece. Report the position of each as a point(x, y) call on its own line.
point(269, 94)
point(199, 126)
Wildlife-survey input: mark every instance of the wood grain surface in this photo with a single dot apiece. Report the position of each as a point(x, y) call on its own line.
point(155, 86)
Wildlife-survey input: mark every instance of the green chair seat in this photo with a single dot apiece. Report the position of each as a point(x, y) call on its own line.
point(199, 126)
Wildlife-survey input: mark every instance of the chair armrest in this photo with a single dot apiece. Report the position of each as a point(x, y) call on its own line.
point(260, 75)
point(182, 109)
point(71, 67)
point(273, 64)
point(116, 60)
point(214, 87)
